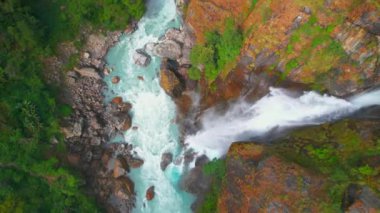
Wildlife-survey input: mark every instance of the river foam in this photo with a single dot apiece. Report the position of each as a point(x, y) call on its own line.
point(153, 112)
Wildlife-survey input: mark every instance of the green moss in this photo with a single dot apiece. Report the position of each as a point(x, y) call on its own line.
point(289, 49)
point(73, 60)
point(292, 64)
point(335, 150)
point(253, 4)
point(319, 53)
point(216, 169)
point(194, 74)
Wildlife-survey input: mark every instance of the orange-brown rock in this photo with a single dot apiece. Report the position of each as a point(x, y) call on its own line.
point(170, 79)
point(115, 79)
point(117, 100)
point(150, 193)
point(118, 171)
point(135, 162)
point(127, 123)
point(203, 16)
point(259, 182)
point(270, 26)
point(184, 103)
point(120, 167)
point(125, 184)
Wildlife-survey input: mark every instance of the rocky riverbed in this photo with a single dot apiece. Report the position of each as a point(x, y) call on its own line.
point(93, 123)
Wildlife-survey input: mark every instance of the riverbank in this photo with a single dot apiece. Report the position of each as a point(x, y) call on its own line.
point(93, 123)
point(136, 96)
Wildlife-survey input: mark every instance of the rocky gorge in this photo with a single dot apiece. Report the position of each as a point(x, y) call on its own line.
point(251, 168)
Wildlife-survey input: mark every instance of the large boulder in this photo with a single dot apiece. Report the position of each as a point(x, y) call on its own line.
point(170, 79)
point(166, 159)
point(120, 167)
point(256, 180)
point(88, 72)
point(141, 58)
point(96, 45)
point(176, 35)
point(195, 182)
point(165, 49)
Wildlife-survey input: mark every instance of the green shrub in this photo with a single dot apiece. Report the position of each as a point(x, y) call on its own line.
point(32, 179)
point(218, 51)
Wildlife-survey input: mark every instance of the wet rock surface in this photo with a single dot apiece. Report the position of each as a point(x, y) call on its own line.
point(93, 124)
point(196, 182)
point(150, 193)
point(141, 58)
point(166, 159)
point(170, 79)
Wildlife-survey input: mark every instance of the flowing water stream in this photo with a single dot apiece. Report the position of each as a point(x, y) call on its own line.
point(153, 113)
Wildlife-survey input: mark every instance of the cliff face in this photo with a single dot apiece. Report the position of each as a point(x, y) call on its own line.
point(331, 46)
point(329, 168)
point(257, 182)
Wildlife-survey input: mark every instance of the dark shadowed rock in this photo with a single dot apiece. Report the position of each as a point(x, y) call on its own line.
point(201, 160)
point(135, 162)
point(127, 124)
point(195, 182)
point(166, 159)
point(74, 159)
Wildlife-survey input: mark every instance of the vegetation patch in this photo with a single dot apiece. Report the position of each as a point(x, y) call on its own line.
point(337, 151)
point(216, 169)
point(219, 52)
point(319, 54)
point(32, 179)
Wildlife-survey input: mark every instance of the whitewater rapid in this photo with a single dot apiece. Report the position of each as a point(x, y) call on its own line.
point(152, 113)
point(279, 109)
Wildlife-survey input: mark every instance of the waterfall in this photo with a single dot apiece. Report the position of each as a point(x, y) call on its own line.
point(279, 109)
point(366, 99)
point(154, 111)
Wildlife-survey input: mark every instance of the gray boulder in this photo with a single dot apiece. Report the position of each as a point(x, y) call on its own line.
point(141, 58)
point(165, 49)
